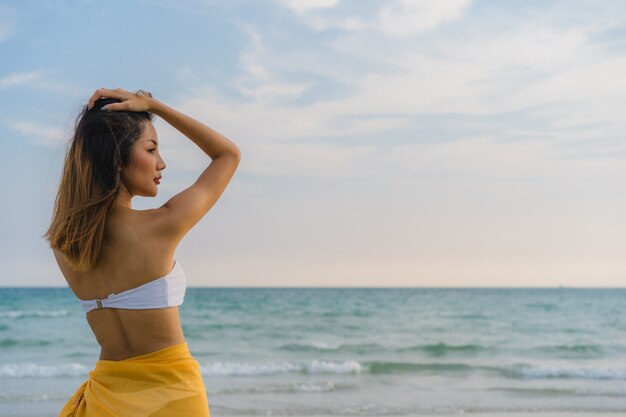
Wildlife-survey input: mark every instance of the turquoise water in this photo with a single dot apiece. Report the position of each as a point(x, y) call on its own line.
point(348, 352)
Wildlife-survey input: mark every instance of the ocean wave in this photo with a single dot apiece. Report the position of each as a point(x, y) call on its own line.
point(389, 367)
point(585, 351)
point(23, 397)
point(310, 346)
point(342, 367)
point(32, 370)
point(541, 306)
point(466, 316)
point(516, 371)
point(441, 349)
point(560, 392)
point(295, 387)
point(10, 342)
point(578, 372)
point(320, 346)
point(314, 366)
point(16, 314)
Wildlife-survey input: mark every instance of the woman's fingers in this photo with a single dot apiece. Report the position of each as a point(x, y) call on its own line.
point(124, 105)
point(128, 101)
point(104, 92)
point(95, 96)
point(111, 107)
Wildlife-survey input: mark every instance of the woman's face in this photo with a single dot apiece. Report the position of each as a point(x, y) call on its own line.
point(147, 163)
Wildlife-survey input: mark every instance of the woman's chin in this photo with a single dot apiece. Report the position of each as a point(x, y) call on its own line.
point(150, 193)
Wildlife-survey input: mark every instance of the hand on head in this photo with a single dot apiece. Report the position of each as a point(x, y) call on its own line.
point(139, 101)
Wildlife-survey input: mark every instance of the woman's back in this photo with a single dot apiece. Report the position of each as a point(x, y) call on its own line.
point(133, 253)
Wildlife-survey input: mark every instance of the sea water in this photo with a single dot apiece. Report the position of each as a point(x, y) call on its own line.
point(349, 351)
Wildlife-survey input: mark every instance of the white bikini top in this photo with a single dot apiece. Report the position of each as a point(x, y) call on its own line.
point(163, 292)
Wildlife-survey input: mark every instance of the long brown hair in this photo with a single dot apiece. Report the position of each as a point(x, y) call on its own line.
point(91, 179)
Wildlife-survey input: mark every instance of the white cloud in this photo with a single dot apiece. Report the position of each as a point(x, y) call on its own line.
point(7, 23)
point(42, 135)
point(304, 6)
point(561, 74)
point(19, 78)
point(257, 81)
point(541, 72)
point(409, 17)
point(394, 18)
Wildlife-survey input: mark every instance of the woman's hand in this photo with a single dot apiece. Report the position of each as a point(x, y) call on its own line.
point(139, 101)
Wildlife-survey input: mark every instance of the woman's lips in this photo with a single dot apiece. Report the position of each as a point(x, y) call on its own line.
point(157, 181)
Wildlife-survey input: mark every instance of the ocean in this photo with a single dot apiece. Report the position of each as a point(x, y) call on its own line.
point(349, 351)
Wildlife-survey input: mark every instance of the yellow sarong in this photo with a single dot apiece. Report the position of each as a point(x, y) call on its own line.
point(164, 383)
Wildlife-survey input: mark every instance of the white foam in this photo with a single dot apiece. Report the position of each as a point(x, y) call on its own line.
point(325, 345)
point(326, 386)
point(6, 397)
point(247, 369)
point(320, 387)
point(26, 370)
point(565, 372)
point(326, 367)
point(33, 313)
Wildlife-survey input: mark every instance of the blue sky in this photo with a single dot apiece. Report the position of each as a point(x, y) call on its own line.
point(384, 143)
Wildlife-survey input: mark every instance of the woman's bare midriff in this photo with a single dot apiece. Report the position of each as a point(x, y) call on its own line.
point(131, 255)
point(124, 333)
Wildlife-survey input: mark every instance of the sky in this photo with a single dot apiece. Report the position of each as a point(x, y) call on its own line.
point(448, 143)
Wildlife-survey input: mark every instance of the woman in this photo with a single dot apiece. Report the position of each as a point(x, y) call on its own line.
point(120, 262)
